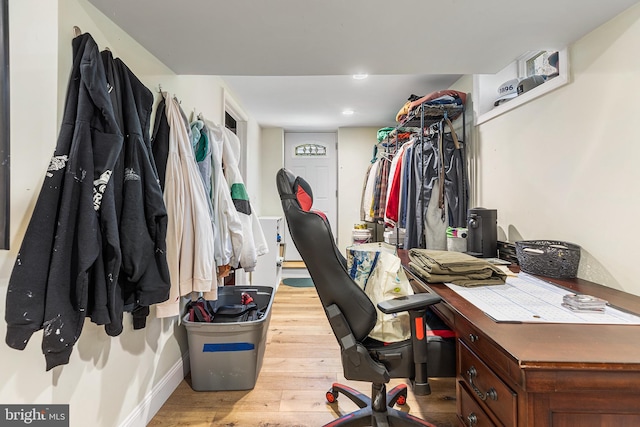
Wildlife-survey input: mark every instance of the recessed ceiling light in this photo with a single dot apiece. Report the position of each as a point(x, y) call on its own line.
point(360, 76)
point(348, 112)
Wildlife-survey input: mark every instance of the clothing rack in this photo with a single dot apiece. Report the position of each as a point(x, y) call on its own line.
point(432, 119)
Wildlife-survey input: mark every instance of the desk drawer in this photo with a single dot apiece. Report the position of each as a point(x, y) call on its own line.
point(470, 414)
point(487, 350)
point(487, 387)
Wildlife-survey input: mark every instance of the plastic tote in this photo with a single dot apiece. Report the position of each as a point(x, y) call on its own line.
point(228, 356)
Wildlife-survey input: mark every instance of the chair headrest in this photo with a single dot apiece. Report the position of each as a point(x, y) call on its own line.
point(299, 190)
point(304, 195)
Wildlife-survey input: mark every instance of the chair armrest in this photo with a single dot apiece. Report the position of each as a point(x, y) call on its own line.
point(409, 302)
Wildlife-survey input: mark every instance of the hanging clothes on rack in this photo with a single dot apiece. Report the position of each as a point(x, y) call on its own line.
point(438, 190)
point(368, 193)
point(423, 176)
point(427, 186)
point(380, 188)
point(395, 183)
point(190, 240)
point(388, 155)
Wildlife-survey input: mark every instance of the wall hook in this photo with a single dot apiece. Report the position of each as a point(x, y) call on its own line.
point(76, 31)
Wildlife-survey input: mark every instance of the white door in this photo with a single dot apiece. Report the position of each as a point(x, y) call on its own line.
point(313, 157)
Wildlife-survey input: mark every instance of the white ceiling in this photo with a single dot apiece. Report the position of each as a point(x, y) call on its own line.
point(289, 62)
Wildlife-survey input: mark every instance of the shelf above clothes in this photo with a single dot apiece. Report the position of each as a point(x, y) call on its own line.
point(427, 114)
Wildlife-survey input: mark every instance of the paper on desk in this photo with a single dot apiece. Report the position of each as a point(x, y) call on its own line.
point(525, 298)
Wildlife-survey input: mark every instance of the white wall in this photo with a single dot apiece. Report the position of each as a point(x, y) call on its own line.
point(564, 166)
point(355, 150)
point(34, 86)
point(107, 379)
point(253, 178)
point(271, 160)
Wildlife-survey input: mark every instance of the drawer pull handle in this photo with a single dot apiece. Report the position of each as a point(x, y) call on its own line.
point(473, 419)
point(491, 393)
point(473, 338)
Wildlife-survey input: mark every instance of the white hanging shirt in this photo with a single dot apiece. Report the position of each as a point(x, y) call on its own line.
point(190, 239)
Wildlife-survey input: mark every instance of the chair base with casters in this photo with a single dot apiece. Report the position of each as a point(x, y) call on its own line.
point(359, 365)
point(379, 412)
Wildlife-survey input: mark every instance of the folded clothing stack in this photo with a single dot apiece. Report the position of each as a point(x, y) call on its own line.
point(454, 267)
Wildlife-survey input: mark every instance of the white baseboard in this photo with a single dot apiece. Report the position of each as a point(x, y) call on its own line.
point(153, 401)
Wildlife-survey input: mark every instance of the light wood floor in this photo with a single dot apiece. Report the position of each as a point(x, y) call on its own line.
point(293, 264)
point(301, 361)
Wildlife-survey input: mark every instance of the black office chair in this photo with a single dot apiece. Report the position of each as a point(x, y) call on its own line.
point(352, 316)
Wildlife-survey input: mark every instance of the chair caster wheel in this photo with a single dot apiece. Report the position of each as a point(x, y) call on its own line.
point(397, 396)
point(331, 396)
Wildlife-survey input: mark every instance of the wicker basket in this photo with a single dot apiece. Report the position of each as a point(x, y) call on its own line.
point(548, 258)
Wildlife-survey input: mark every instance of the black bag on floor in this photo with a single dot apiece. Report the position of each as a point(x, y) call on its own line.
point(236, 313)
point(200, 310)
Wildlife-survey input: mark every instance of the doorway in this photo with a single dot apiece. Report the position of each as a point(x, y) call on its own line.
point(313, 156)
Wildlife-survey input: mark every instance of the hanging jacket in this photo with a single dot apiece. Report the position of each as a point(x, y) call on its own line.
point(229, 238)
point(160, 142)
point(455, 183)
point(253, 243)
point(142, 216)
point(368, 193)
point(393, 193)
point(437, 164)
point(50, 283)
point(423, 177)
point(106, 269)
point(190, 242)
point(203, 156)
point(405, 184)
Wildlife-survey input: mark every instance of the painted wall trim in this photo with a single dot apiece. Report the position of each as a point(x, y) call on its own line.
point(153, 401)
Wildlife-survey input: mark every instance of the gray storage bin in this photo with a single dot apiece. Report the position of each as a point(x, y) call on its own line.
point(228, 356)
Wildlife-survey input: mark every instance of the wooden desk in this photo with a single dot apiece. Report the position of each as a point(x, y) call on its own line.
point(529, 374)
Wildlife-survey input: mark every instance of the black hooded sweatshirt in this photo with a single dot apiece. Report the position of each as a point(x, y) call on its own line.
point(49, 285)
point(143, 279)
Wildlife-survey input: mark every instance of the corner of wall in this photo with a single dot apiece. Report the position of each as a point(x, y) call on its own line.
point(271, 154)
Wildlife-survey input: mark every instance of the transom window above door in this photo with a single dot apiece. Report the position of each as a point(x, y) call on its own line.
point(311, 150)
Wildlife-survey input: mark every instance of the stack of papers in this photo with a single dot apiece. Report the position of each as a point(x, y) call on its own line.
point(584, 303)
